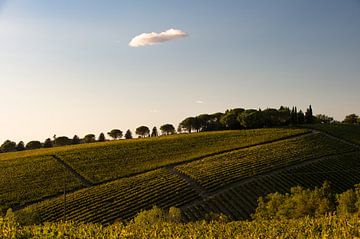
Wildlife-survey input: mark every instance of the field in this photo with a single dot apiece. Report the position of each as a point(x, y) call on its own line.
point(218, 172)
point(330, 226)
point(33, 175)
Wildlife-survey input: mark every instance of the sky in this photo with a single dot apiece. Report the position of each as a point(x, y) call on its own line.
point(69, 67)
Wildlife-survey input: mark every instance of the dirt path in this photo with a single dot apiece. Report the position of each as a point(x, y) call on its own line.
point(83, 180)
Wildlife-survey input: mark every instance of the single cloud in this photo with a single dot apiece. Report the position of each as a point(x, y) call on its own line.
point(154, 111)
point(152, 38)
point(199, 102)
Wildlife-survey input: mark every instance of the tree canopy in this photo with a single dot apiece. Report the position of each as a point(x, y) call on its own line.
point(167, 129)
point(142, 131)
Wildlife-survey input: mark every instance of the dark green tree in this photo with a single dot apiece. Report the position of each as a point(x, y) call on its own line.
point(154, 132)
point(142, 131)
point(351, 119)
point(20, 146)
point(128, 134)
point(33, 145)
point(187, 124)
point(167, 129)
point(8, 146)
point(62, 141)
point(48, 143)
point(301, 117)
point(89, 138)
point(115, 134)
point(101, 137)
point(309, 118)
point(323, 119)
point(75, 140)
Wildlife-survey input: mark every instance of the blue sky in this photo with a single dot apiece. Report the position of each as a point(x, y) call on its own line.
point(66, 67)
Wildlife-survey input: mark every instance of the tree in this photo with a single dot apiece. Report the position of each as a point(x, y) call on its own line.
point(229, 120)
point(323, 119)
point(154, 132)
point(115, 134)
point(20, 146)
point(187, 124)
point(33, 145)
point(167, 129)
point(48, 143)
point(301, 117)
point(309, 118)
point(75, 140)
point(8, 146)
point(142, 131)
point(351, 119)
point(62, 141)
point(128, 134)
point(101, 137)
point(89, 138)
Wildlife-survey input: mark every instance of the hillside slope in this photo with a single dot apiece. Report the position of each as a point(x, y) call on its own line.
point(228, 182)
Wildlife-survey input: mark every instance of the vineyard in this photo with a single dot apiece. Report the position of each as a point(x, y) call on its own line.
point(29, 179)
point(345, 131)
point(215, 172)
point(219, 172)
point(111, 161)
point(239, 202)
point(120, 199)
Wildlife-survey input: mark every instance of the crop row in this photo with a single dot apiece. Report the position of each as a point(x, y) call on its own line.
point(240, 202)
point(120, 199)
point(215, 172)
point(34, 178)
point(345, 131)
point(116, 160)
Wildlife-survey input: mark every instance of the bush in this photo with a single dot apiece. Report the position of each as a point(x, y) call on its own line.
point(349, 201)
point(158, 215)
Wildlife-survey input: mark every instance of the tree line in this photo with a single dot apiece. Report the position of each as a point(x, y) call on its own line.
point(232, 119)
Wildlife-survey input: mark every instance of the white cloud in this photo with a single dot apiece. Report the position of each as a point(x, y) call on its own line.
point(199, 102)
point(152, 38)
point(154, 111)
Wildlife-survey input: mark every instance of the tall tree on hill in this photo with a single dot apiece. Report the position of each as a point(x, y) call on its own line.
point(128, 134)
point(75, 140)
point(309, 118)
point(351, 119)
point(142, 131)
point(8, 146)
point(187, 124)
point(33, 145)
point(293, 116)
point(89, 138)
point(154, 132)
point(301, 117)
point(48, 143)
point(20, 146)
point(101, 137)
point(62, 141)
point(167, 129)
point(115, 134)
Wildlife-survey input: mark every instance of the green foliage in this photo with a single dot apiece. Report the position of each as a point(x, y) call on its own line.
point(329, 226)
point(48, 143)
point(128, 134)
point(143, 131)
point(349, 201)
point(101, 137)
point(298, 203)
point(89, 138)
point(115, 134)
point(20, 146)
point(62, 141)
point(351, 119)
point(75, 140)
point(167, 129)
point(33, 145)
point(154, 132)
point(8, 146)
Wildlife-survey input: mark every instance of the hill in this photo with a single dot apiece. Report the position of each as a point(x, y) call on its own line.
point(223, 172)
